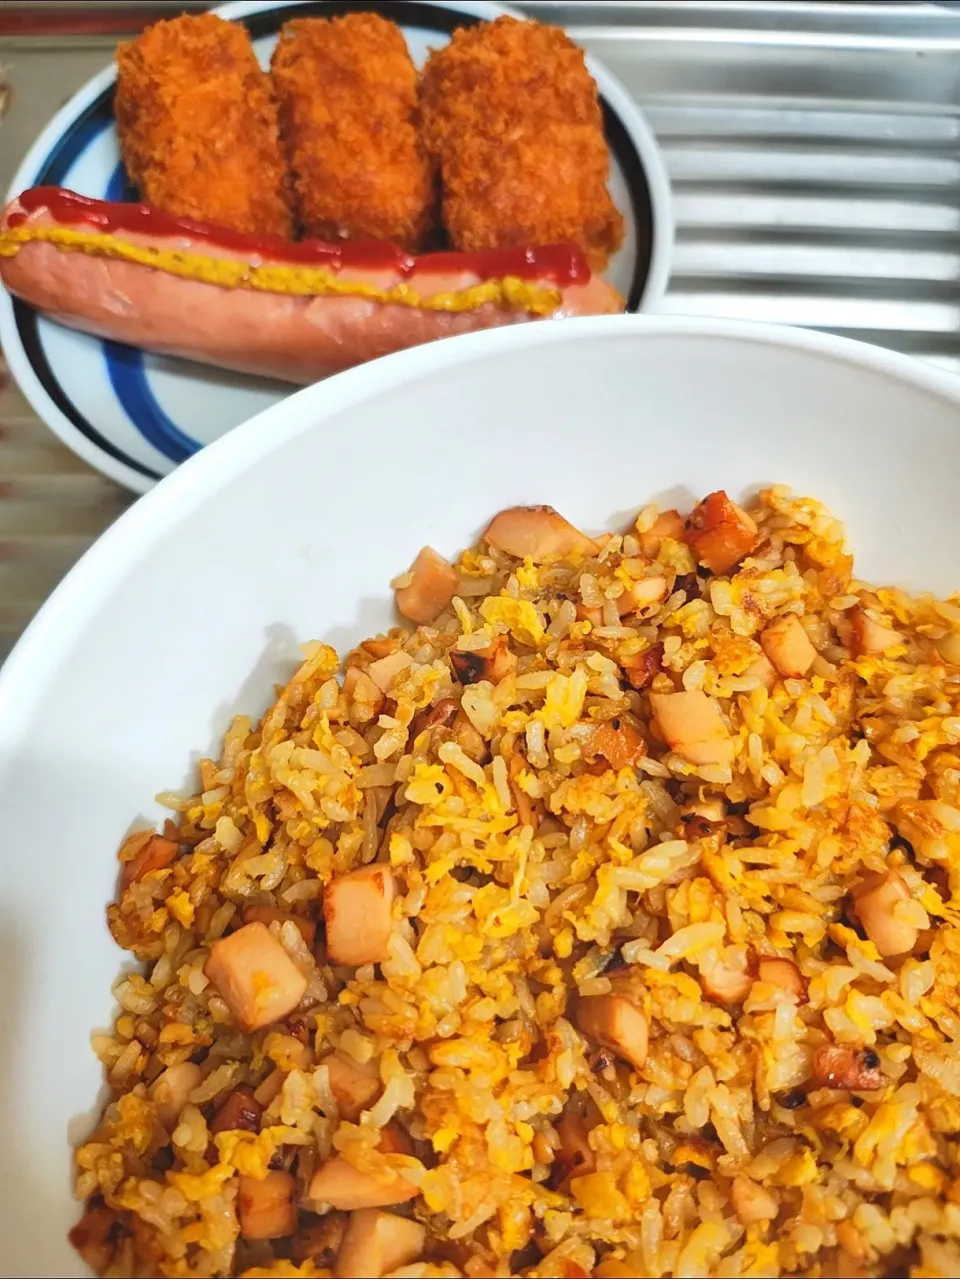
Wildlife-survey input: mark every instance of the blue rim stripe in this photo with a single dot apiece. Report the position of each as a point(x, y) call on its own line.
point(68, 148)
point(128, 377)
point(120, 188)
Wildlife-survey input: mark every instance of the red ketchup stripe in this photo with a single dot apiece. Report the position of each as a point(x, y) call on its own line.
point(559, 264)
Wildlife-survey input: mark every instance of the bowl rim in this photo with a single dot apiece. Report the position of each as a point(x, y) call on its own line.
point(40, 650)
point(628, 112)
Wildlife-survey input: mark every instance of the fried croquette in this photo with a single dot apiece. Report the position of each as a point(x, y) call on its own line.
point(512, 118)
point(347, 90)
point(198, 126)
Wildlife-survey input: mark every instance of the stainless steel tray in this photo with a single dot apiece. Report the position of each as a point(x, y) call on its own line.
point(815, 155)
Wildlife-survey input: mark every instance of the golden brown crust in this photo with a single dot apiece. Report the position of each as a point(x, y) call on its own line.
point(198, 125)
point(512, 117)
point(347, 90)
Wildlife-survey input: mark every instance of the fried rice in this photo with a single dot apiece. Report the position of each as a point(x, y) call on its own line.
point(601, 921)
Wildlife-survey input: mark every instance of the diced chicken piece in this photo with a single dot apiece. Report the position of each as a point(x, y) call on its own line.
point(241, 1110)
point(381, 645)
point(616, 1023)
point(869, 638)
point(719, 533)
point(611, 1268)
point(763, 670)
point(575, 1157)
point(643, 593)
point(727, 978)
point(255, 976)
point(618, 742)
point(874, 902)
point(96, 1236)
point(788, 646)
point(537, 532)
point(433, 585)
point(354, 1086)
point(341, 1185)
point(785, 974)
point(358, 910)
point(842, 1066)
point(440, 716)
point(171, 1090)
point(500, 661)
point(493, 663)
point(378, 1242)
point(668, 524)
point(270, 1089)
point(358, 685)
point(752, 1203)
point(265, 1206)
point(156, 854)
point(948, 646)
point(272, 915)
point(385, 670)
point(469, 740)
point(690, 724)
point(640, 668)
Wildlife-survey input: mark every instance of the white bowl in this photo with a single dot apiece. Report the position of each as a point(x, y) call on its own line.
point(291, 527)
point(136, 416)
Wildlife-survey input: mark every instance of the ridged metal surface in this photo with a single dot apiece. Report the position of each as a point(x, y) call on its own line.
point(816, 166)
point(814, 154)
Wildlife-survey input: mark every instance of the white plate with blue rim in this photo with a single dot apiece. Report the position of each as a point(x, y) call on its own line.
point(136, 416)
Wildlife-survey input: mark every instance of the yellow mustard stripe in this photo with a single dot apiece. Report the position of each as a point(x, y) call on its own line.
point(303, 281)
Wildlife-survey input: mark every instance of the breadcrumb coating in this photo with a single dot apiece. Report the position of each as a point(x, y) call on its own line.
point(198, 126)
point(512, 118)
point(347, 89)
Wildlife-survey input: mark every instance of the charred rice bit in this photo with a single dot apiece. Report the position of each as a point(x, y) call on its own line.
point(604, 922)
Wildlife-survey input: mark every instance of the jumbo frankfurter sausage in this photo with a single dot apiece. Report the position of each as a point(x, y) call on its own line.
point(263, 305)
